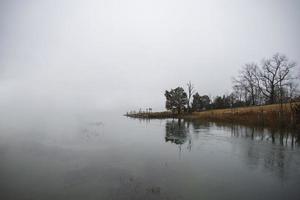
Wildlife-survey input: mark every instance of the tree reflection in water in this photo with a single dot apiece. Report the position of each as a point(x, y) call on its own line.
point(258, 147)
point(177, 132)
point(272, 149)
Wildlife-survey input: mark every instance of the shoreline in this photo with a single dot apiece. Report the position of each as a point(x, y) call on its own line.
point(275, 115)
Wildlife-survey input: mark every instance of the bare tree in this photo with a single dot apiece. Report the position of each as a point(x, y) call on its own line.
point(274, 76)
point(191, 91)
point(248, 82)
point(238, 91)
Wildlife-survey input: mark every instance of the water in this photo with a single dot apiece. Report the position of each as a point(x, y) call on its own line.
point(114, 157)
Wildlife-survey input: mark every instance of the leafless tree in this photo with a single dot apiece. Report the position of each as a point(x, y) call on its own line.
point(247, 83)
point(190, 93)
point(274, 76)
point(239, 92)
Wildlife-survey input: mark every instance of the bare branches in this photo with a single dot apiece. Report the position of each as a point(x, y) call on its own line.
point(191, 91)
point(269, 81)
point(274, 75)
point(247, 81)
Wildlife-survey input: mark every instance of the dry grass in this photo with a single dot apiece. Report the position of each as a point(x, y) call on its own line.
point(267, 115)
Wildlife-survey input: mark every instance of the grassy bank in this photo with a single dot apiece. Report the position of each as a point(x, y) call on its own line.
point(153, 115)
point(268, 115)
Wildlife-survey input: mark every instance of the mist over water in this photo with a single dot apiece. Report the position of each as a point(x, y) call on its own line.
point(88, 155)
point(70, 69)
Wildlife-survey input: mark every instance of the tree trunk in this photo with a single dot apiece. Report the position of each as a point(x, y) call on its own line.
point(178, 110)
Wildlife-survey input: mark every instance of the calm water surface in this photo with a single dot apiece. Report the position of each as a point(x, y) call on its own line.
point(114, 157)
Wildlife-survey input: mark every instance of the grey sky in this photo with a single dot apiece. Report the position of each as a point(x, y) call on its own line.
point(123, 54)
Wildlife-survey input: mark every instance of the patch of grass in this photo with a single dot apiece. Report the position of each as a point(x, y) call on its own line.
point(275, 115)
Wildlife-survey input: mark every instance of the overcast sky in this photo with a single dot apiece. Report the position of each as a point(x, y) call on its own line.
point(122, 55)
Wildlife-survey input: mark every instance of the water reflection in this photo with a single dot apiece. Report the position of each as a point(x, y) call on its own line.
point(275, 136)
point(99, 158)
point(200, 126)
point(177, 131)
point(272, 150)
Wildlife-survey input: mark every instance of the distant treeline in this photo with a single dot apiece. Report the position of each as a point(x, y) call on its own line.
point(273, 81)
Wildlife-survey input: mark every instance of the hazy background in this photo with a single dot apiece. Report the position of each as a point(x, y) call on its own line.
point(120, 55)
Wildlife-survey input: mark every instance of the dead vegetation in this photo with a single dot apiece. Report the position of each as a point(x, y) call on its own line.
point(276, 115)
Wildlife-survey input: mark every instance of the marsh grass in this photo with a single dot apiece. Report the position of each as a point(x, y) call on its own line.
point(276, 115)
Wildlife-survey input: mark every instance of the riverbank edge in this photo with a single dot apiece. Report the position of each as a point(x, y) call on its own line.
point(275, 115)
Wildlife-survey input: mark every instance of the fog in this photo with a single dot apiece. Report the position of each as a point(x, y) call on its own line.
point(60, 55)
